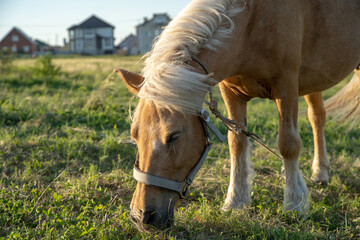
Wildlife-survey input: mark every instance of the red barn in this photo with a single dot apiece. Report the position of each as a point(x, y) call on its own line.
point(17, 41)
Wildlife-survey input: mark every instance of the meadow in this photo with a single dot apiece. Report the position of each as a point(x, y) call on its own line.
point(66, 160)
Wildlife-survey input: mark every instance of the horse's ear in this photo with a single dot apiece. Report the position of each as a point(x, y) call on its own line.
point(133, 81)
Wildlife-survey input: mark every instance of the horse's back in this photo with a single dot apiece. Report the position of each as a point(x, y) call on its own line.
point(331, 43)
point(317, 40)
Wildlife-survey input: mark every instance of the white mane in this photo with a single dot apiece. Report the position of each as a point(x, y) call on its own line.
point(170, 81)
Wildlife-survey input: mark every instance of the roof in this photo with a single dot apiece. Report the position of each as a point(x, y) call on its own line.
point(129, 40)
point(18, 30)
point(41, 43)
point(155, 15)
point(92, 22)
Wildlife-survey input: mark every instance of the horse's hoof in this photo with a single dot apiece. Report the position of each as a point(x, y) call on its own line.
point(233, 206)
point(228, 207)
point(321, 178)
point(301, 207)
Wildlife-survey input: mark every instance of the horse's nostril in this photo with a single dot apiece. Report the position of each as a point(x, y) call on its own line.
point(149, 217)
point(151, 220)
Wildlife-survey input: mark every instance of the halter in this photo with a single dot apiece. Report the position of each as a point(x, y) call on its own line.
point(181, 187)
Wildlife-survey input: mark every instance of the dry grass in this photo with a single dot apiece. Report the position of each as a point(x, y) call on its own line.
point(90, 64)
point(79, 122)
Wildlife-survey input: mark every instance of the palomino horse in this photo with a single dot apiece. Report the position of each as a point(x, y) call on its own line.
point(253, 48)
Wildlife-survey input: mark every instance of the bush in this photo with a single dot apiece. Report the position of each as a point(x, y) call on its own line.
point(45, 68)
point(6, 62)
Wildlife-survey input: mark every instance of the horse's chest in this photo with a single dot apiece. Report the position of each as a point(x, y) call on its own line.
point(249, 87)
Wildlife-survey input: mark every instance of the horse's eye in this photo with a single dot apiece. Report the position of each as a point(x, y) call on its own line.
point(173, 138)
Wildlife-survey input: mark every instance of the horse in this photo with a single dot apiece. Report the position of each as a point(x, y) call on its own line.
point(278, 50)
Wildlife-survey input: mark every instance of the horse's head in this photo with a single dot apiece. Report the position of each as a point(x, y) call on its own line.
point(169, 144)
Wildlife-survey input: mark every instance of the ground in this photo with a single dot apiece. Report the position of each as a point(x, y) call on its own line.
point(66, 161)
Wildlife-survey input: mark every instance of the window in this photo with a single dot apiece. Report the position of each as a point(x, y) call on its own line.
point(157, 32)
point(148, 33)
point(72, 46)
point(15, 38)
point(89, 31)
point(26, 49)
point(108, 42)
point(14, 49)
point(79, 45)
point(89, 44)
point(78, 33)
point(160, 19)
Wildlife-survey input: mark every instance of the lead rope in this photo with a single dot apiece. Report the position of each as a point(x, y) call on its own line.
point(235, 127)
point(231, 125)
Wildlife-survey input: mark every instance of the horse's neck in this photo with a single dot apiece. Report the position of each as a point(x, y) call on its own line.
point(225, 61)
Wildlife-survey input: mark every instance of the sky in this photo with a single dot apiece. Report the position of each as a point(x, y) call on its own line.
point(48, 20)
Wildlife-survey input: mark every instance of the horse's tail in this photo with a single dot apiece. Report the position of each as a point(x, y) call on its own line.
point(345, 105)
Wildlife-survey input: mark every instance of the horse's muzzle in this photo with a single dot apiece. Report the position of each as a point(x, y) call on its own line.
point(151, 220)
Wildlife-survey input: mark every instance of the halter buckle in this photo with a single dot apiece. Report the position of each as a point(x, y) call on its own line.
point(185, 191)
point(205, 115)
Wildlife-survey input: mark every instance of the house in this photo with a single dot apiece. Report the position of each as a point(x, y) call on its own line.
point(16, 41)
point(128, 46)
point(93, 37)
point(42, 48)
point(41, 45)
point(149, 30)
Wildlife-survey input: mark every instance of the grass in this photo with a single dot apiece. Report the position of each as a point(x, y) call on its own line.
point(66, 159)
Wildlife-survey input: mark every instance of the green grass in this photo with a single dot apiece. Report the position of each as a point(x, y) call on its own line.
point(66, 160)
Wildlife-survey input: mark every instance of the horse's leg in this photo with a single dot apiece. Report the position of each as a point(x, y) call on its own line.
point(239, 188)
point(296, 192)
point(317, 118)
